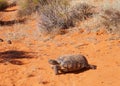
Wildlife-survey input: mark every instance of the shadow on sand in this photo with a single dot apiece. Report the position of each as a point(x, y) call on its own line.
point(12, 22)
point(78, 71)
point(13, 56)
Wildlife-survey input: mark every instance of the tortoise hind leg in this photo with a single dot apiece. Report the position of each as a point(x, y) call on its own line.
point(92, 67)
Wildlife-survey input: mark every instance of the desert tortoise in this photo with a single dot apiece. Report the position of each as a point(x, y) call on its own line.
point(68, 63)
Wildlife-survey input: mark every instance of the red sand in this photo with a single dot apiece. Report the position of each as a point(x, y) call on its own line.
point(98, 49)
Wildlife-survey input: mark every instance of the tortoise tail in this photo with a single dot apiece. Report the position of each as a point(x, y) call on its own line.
point(92, 66)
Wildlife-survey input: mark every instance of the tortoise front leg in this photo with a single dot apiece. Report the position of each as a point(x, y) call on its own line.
point(55, 68)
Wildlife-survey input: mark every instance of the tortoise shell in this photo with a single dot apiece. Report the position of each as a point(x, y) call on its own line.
point(68, 63)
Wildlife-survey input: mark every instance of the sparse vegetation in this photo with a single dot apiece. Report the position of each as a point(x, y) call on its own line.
point(12, 2)
point(111, 20)
point(82, 11)
point(55, 14)
point(27, 7)
point(107, 18)
point(3, 4)
point(110, 16)
point(59, 14)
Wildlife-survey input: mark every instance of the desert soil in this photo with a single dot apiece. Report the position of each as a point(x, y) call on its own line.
point(25, 61)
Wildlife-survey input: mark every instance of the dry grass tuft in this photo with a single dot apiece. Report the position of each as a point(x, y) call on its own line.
point(111, 20)
point(12, 3)
point(107, 17)
point(27, 7)
point(60, 14)
point(55, 14)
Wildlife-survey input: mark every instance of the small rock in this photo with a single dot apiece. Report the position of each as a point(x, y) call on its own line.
point(98, 50)
point(1, 40)
point(43, 82)
point(9, 42)
point(80, 45)
point(31, 75)
point(102, 82)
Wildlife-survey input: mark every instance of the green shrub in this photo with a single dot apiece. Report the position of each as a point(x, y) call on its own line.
point(3, 4)
point(27, 7)
point(59, 14)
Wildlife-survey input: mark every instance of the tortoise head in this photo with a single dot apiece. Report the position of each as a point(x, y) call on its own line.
point(53, 62)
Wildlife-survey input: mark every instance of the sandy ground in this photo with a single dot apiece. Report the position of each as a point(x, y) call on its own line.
point(25, 61)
